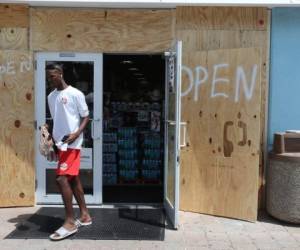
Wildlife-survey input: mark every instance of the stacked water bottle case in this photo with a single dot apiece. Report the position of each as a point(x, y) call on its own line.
point(110, 149)
point(128, 154)
point(152, 157)
point(133, 144)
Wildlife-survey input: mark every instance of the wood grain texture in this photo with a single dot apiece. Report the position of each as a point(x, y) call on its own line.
point(100, 30)
point(14, 39)
point(14, 15)
point(264, 114)
point(17, 176)
point(203, 40)
point(220, 167)
point(206, 34)
point(225, 18)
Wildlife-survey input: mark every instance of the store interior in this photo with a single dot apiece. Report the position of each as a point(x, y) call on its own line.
point(133, 128)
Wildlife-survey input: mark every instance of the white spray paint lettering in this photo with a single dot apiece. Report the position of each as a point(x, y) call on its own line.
point(215, 80)
point(10, 68)
point(198, 81)
point(241, 77)
point(201, 76)
point(25, 66)
point(189, 72)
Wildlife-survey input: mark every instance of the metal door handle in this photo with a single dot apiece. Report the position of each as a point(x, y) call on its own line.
point(171, 122)
point(184, 133)
point(93, 129)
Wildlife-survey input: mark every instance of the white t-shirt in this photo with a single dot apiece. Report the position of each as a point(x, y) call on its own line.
point(66, 107)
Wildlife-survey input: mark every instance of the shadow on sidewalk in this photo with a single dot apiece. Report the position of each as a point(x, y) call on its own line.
point(108, 224)
point(263, 216)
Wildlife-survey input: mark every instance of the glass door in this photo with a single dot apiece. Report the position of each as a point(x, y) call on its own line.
point(172, 138)
point(84, 72)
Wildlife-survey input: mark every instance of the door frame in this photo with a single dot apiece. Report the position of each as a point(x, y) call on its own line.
point(172, 211)
point(96, 124)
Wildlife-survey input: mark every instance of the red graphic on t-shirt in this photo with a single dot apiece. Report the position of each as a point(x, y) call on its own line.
point(64, 100)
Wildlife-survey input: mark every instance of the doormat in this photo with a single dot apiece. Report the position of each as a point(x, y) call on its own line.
point(108, 224)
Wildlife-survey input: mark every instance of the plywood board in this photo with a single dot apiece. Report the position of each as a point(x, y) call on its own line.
point(207, 34)
point(202, 40)
point(264, 114)
point(101, 30)
point(14, 15)
point(224, 18)
point(16, 131)
point(13, 38)
point(221, 102)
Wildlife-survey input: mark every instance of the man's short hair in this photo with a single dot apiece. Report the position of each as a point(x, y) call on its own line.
point(54, 66)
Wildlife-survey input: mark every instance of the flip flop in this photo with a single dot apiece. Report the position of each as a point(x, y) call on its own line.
point(62, 233)
point(79, 223)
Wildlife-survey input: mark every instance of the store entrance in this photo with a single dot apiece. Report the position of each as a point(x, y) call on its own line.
point(133, 128)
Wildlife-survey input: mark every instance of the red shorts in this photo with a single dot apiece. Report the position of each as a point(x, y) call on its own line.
point(68, 162)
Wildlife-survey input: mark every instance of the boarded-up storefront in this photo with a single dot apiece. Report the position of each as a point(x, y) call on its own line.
point(224, 84)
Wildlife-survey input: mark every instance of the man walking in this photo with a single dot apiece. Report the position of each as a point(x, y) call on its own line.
point(70, 116)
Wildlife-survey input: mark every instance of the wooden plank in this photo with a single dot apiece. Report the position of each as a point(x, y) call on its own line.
point(227, 18)
point(14, 39)
point(219, 172)
point(17, 176)
point(202, 40)
point(100, 30)
point(264, 114)
point(14, 15)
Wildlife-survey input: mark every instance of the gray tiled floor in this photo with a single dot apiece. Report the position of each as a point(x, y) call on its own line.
point(197, 231)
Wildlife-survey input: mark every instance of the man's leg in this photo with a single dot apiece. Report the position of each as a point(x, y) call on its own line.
point(79, 196)
point(67, 195)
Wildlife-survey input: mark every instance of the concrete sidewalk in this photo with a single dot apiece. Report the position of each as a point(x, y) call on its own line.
point(197, 231)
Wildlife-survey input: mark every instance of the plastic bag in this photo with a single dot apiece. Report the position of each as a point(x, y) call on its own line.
point(46, 141)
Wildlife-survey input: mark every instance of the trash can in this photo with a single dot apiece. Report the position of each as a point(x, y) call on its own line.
point(283, 178)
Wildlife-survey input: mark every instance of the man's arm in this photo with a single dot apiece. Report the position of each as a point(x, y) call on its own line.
point(72, 137)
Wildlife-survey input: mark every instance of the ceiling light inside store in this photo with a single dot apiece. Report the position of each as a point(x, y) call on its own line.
point(138, 74)
point(126, 62)
point(133, 69)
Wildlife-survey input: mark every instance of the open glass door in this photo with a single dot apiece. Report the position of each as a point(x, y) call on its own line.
point(172, 128)
point(84, 72)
